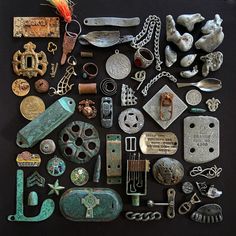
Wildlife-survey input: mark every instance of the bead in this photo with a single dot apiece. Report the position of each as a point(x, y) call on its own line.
point(41, 86)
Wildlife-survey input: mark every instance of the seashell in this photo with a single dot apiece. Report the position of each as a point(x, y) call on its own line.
point(170, 56)
point(47, 146)
point(189, 20)
point(189, 73)
point(168, 171)
point(212, 62)
point(212, 25)
point(188, 60)
point(184, 42)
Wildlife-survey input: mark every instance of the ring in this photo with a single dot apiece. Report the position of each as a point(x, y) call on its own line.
point(90, 70)
point(143, 58)
point(72, 34)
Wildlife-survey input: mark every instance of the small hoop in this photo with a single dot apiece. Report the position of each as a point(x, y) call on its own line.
point(72, 34)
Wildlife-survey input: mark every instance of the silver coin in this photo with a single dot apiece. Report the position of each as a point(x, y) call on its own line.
point(118, 66)
point(187, 187)
point(193, 97)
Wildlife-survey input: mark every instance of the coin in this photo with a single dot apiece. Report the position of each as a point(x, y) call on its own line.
point(187, 187)
point(79, 176)
point(31, 107)
point(20, 87)
point(193, 97)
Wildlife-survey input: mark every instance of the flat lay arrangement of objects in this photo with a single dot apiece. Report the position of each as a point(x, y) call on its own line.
point(126, 156)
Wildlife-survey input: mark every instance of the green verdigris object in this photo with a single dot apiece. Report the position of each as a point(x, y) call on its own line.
point(90, 204)
point(44, 124)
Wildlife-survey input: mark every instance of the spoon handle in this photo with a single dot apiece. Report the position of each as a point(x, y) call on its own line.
point(181, 85)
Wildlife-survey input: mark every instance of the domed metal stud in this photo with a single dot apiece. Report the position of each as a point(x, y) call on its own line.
point(47, 146)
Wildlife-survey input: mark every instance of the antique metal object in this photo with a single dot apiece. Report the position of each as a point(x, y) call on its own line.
point(90, 204)
point(208, 214)
point(63, 86)
point(193, 97)
point(189, 20)
point(97, 170)
point(189, 73)
point(55, 188)
point(197, 110)
point(184, 42)
point(79, 142)
point(52, 47)
point(170, 204)
point(43, 125)
point(140, 77)
point(90, 70)
point(168, 171)
point(30, 63)
point(87, 109)
point(213, 104)
point(143, 216)
point(31, 107)
point(54, 68)
point(158, 143)
point(114, 159)
point(202, 188)
point(79, 176)
point(106, 112)
point(131, 120)
point(209, 172)
point(212, 62)
point(41, 86)
point(205, 85)
point(152, 24)
point(33, 199)
point(86, 54)
point(108, 87)
point(155, 79)
point(187, 187)
point(88, 88)
point(26, 159)
point(210, 192)
point(188, 60)
point(118, 66)
point(143, 58)
point(165, 111)
point(130, 144)
point(170, 56)
point(56, 166)
point(47, 147)
point(35, 179)
point(127, 96)
point(187, 206)
point(46, 210)
point(201, 139)
point(112, 21)
point(36, 27)
point(136, 178)
point(20, 87)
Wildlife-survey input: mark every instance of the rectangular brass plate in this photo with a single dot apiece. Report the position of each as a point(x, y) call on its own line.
point(113, 158)
point(36, 27)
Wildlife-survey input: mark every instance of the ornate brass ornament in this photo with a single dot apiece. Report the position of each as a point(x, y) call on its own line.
point(87, 108)
point(30, 63)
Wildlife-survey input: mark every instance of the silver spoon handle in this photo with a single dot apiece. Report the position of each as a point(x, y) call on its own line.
point(181, 85)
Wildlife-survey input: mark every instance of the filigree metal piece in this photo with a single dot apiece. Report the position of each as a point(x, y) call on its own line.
point(143, 216)
point(187, 206)
point(87, 109)
point(30, 63)
point(26, 159)
point(213, 104)
point(127, 96)
point(209, 173)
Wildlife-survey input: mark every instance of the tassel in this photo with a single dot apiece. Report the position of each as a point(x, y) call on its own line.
point(64, 8)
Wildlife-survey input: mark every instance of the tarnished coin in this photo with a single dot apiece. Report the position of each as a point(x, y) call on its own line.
point(187, 187)
point(79, 176)
point(20, 87)
point(31, 107)
point(193, 97)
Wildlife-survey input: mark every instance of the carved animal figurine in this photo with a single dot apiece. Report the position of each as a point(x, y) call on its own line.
point(86, 108)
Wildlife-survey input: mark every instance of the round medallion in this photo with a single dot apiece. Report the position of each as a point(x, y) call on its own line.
point(56, 166)
point(187, 187)
point(79, 142)
point(118, 66)
point(47, 146)
point(168, 171)
point(20, 87)
point(31, 107)
point(131, 120)
point(193, 97)
point(79, 176)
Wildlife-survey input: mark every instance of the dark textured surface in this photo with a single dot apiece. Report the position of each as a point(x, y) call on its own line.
point(12, 121)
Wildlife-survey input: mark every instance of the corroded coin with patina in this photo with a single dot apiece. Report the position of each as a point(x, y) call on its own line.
point(79, 176)
point(20, 87)
point(31, 107)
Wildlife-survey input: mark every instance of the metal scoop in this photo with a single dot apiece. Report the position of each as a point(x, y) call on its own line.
point(206, 85)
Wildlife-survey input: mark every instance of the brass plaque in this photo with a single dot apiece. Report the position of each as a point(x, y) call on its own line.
point(160, 143)
point(36, 27)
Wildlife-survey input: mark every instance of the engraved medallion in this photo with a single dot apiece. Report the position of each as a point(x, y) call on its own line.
point(20, 87)
point(31, 107)
point(79, 176)
point(118, 66)
point(193, 97)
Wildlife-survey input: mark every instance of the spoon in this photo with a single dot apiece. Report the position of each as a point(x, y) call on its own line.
point(206, 85)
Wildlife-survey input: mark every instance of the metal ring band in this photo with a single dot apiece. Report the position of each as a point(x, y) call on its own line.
point(104, 87)
point(140, 60)
point(90, 70)
point(72, 34)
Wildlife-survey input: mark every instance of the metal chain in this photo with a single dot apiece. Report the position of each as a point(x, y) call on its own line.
point(148, 29)
point(143, 216)
point(155, 79)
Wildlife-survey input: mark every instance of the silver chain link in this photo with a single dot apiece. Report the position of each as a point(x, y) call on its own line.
point(155, 79)
point(148, 29)
point(143, 216)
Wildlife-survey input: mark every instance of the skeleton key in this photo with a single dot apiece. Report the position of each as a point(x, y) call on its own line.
point(90, 202)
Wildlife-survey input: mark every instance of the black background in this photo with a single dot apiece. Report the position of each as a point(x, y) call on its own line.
point(11, 120)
